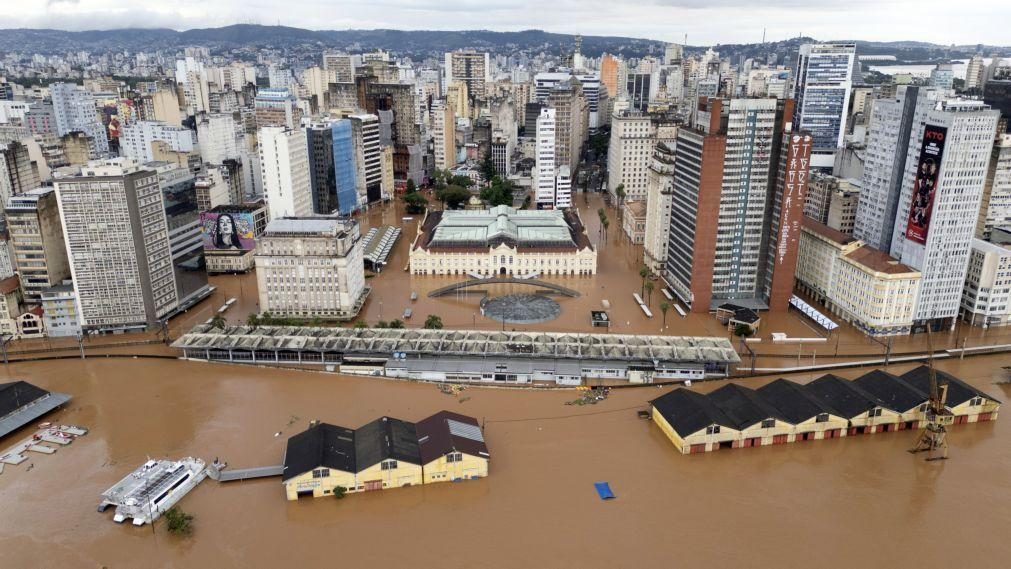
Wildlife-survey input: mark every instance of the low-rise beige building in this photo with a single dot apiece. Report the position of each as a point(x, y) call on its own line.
point(502, 241)
point(452, 448)
point(860, 284)
point(633, 221)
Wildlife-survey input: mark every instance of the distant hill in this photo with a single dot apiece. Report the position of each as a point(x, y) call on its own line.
point(418, 43)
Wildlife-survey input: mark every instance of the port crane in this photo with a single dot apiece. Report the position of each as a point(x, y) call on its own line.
point(933, 438)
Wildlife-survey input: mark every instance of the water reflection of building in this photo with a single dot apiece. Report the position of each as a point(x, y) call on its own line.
point(503, 240)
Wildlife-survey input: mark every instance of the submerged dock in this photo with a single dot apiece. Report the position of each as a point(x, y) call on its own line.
point(61, 435)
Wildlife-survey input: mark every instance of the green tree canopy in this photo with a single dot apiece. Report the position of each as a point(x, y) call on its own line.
point(453, 196)
point(433, 322)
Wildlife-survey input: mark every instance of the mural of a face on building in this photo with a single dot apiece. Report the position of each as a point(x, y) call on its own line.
point(225, 234)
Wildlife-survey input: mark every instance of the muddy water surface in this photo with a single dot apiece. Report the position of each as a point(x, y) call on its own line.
point(860, 501)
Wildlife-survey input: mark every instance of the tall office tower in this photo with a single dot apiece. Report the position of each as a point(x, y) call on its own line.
point(609, 66)
point(284, 164)
point(190, 73)
point(277, 107)
point(945, 175)
point(314, 80)
point(397, 98)
point(117, 242)
point(995, 209)
point(893, 125)
point(311, 268)
point(633, 138)
point(823, 78)
point(659, 190)
point(220, 138)
point(322, 176)
point(368, 157)
point(136, 139)
point(974, 72)
point(641, 88)
point(728, 180)
point(75, 111)
point(997, 93)
point(340, 67)
point(544, 168)
point(571, 118)
point(18, 174)
point(457, 99)
point(444, 135)
point(182, 214)
point(36, 233)
point(471, 67)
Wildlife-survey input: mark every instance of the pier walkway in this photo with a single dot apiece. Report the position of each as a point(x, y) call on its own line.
point(249, 473)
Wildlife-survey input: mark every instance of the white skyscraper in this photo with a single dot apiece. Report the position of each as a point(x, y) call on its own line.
point(892, 124)
point(824, 79)
point(284, 164)
point(117, 240)
point(544, 178)
point(945, 173)
point(219, 137)
point(75, 110)
point(563, 188)
point(190, 73)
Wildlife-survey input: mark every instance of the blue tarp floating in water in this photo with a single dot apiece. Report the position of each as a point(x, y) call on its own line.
point(604, 490)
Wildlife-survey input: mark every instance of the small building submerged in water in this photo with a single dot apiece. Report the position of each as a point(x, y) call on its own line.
point(783, 411)
point(386, 453)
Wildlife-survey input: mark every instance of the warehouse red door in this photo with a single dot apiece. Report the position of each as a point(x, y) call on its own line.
point(985, 416)
point(373, 485)
point(698, 448)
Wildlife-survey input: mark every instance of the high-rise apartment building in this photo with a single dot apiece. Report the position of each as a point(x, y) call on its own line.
point(633, 137)
point(571, 122)
point(311, 268)
point(368, 156)
point(659, 190)
point(117, 242)
point(739, 185)
point(136, 139)
point(36, 233)
point(75, 110)
point(545, 168)
point(995, 208)
point(893, 123)
point(340, 67)
point(974, 72)
point(220, 137)
point(443, 135)
point(284, 165)
point(277, 107)
point(471, 67)
point(939, 205)
point(190, 73)
point(18, 173)
point(823, 79)
point(609, 73)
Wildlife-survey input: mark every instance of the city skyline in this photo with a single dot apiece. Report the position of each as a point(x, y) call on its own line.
point(722, 21)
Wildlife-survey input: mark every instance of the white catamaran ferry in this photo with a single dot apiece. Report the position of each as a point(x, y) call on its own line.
point(148, 492)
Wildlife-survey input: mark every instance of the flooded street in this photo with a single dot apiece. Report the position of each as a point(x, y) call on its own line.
point(857, 501)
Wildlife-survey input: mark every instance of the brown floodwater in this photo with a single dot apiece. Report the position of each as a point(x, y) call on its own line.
point(851, 502)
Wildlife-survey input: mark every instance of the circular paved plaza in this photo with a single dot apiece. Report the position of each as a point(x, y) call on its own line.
point(521, 308)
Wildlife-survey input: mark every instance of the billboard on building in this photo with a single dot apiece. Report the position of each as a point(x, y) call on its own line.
point(227, 231)
point(925, 183)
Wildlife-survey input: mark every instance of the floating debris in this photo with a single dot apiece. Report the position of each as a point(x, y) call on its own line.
point(591, 396)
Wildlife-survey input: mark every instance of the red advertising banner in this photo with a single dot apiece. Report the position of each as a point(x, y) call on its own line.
point(925, 183)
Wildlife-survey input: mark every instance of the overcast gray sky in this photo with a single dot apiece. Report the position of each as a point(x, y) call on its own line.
point(705, 21)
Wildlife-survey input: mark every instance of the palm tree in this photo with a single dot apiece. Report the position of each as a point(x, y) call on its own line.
point(433, 322)
point(649, 292)
point(606, 225)
point(218, 321)
point(664, 307)
point(643, 272)
point(619, 192)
